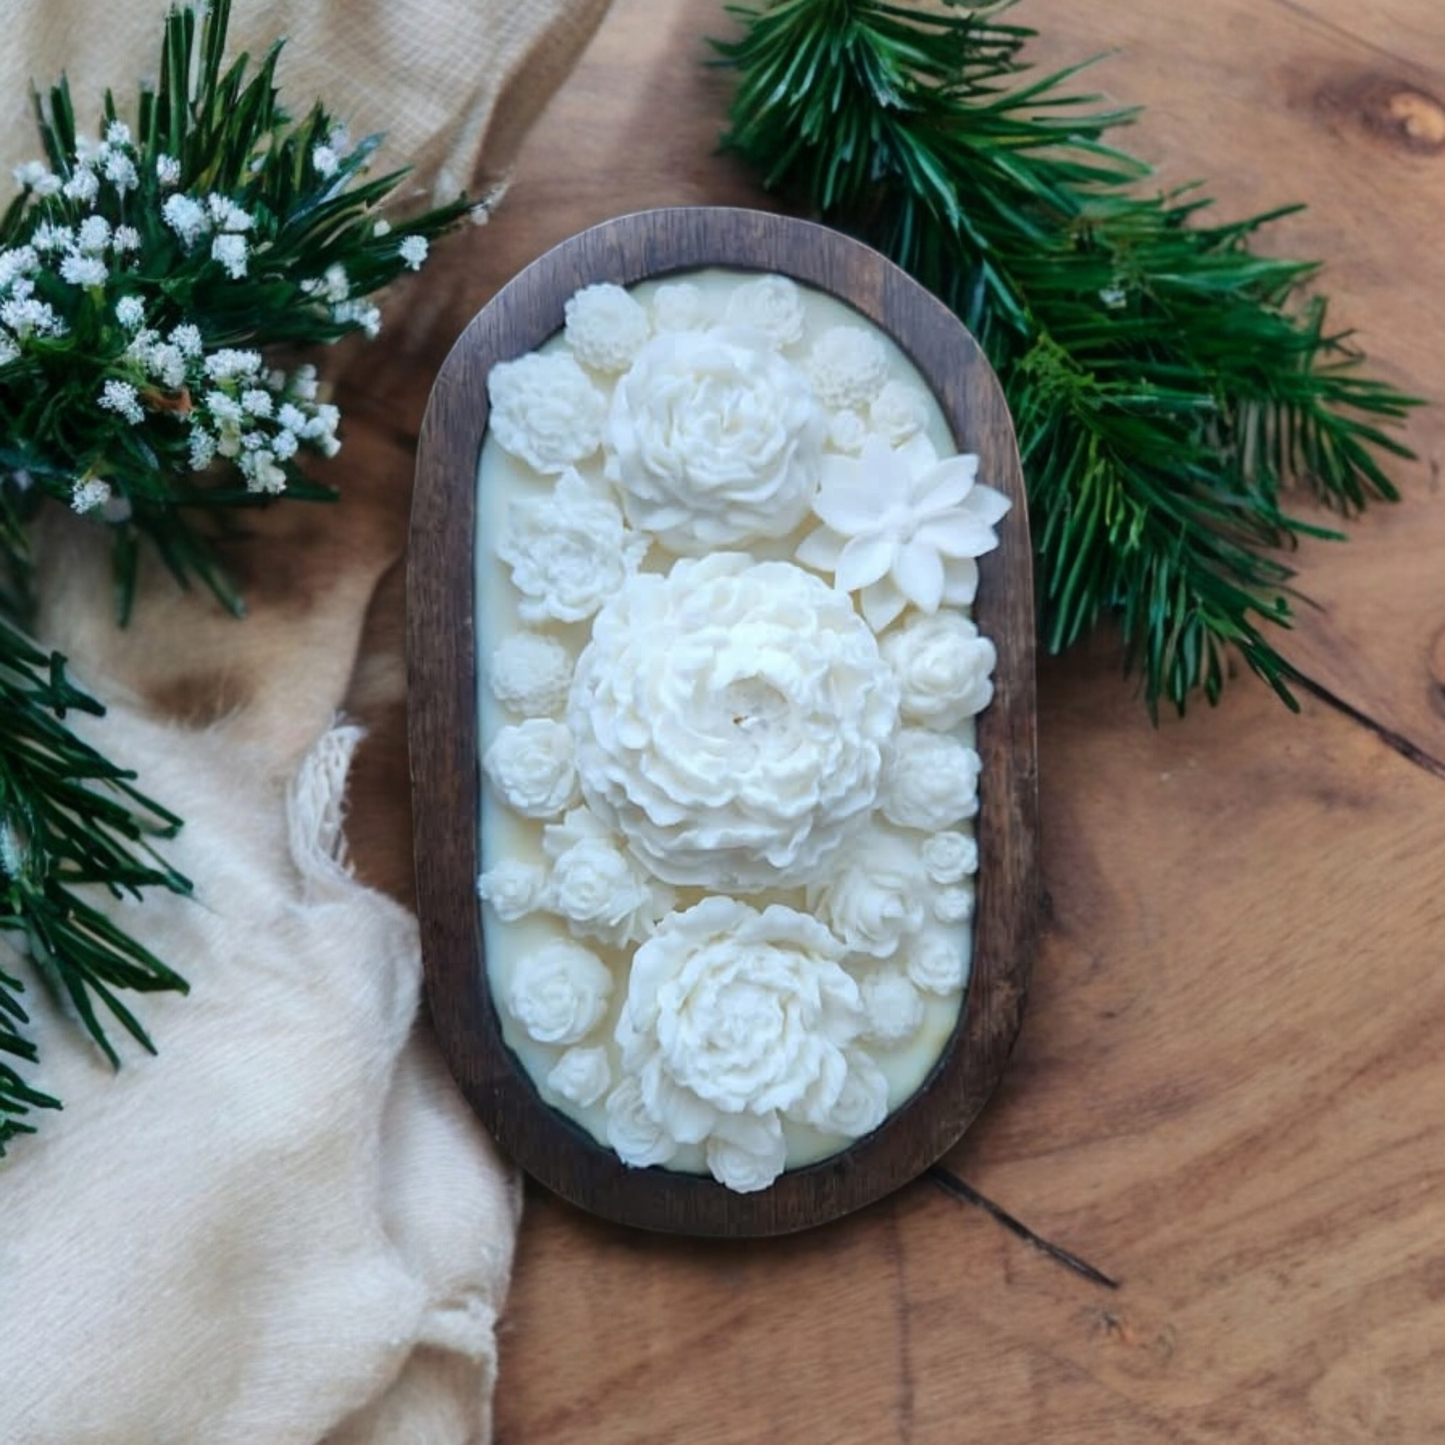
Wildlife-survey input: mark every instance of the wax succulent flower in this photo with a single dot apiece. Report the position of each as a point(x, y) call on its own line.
point(937, 960)
point(873, 895)
point(545, 411)
point(949, 857)
point(559, 992)
point(713, 439)
point(581, 1076)
point(944, 669)
point(731, 719)
point(569, 551)
point(514, 889)
point(596, 885)
point(848, 366)
point(900, 526)
point(930, 780)
point(530, 674)
point(735, 1019)
point(531, 767)
point(772, 305)
point(605, 327)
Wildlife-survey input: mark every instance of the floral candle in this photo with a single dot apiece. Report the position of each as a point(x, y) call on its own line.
point(726, 553)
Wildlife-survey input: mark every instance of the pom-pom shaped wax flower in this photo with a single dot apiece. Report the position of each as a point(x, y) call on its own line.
point(898, 412)
point(948, 857)
point(606, 327)
point(677, 306)
point(730, 720)
point(937, 960)
point(901, 526)
point(873, 894)
point(713, 438)
point(531, 766)
point(545, 411)
point(733, 1020)
point(847, 430)
point(559, 992)
point(944, 669)
point(595, 886)
point(514, 889)
point(568, 551)
point(848, 366)
point(893, 1006)
point(930, 780)
point(772, 305)
point(530, 674)
point(581, 1076)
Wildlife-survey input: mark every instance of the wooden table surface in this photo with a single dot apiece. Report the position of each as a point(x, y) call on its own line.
point(1229, 1093)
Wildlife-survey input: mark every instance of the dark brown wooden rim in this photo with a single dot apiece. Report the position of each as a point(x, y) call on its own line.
point(443, 727)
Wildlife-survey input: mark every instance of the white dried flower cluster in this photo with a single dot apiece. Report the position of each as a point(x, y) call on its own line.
point(745, 788)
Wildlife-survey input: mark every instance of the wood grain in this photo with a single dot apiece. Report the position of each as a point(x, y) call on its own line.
point(444, 733)
point(1229, 1093)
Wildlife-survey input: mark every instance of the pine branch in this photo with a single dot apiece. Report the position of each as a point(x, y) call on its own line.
point(1169, 385)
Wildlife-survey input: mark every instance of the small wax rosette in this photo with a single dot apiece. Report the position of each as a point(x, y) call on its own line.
point(734, 678)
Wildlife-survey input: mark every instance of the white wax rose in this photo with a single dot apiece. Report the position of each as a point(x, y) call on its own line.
point(944, 669)
point(953, 905)
point(677, 306)
point(733, 1020)
point(638, 1139)
point(893, 1006)
point(937, 960)
point(772, 305)
point(873, 894)
point(568, 551)
point(713, 439)
point(847, 431)
point(514, 889)
point(559, 992)
point(898, 412)
point(605, 327)
point(531, 766)
point(930, 780)
point(730, 721)
point(530, 674)
point(581, 1076)
point(949, 856)
point(847, 366)
point(598, 888)
point(862, 1103)
point(545, 411)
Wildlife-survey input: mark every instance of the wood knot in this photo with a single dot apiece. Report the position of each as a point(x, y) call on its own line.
point(1402, 115)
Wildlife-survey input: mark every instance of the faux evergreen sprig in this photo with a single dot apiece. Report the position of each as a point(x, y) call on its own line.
point(1167, 383)
point(145, 275)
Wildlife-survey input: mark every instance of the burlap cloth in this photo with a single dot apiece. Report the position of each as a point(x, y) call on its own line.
point(287, 1228)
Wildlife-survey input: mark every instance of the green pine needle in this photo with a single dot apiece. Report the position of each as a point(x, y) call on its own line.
point(1168, 385)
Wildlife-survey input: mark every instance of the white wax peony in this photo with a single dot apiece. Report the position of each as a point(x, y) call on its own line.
point(898, 412)
point(730, 720)
point(893, 1006)
point(772, 305)
point(530, 674)
point(930, 780)
point(713, 439)
point(605, 327)
point(569, 551)
point(948, 857)
point(944, 669)
point(676, 307)
point(514, 889)
point(545, 410)
point(847, 366)
point(901, 526)
point(733, 1020)
point(531, 766)
point(581, 1076)
point(559, 992)
point(937, 960)
point(873, 895)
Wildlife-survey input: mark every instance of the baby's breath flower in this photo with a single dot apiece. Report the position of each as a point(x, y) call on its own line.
point(28, 317)
point(228, 364)
point(231, 251)
point(334, 286)
point(117, 133)
point(413, 251)
point(93, 235)
point(10, 350)
point(82, 185)
point(261, 472)
point(227, 215)
point(292, 418)
point(186, 338)
point(225, 409)
point(257, 401)
point(186, 217)
point(130, 312)
point(303, 382)
point(48, 237)
point(89, 494)
point(120, 172)
point(37, 177)
point(19, 261)
point(81, 270)
point(202, 449)
point(126, 238)
point(381, 228)
point(122, 397)
point(168, 170)
point(324, 161)
point(358, 313)
point(166, 363)
point(284, 444)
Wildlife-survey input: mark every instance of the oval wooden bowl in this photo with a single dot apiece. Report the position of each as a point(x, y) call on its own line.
point(446, 774)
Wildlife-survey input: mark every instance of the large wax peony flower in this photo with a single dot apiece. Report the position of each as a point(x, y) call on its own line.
point(734, 1020)
point(545, 411)
point(730, 719)
point(713, 438)
point(901, 526)
point(944, 669)
point(569, 551)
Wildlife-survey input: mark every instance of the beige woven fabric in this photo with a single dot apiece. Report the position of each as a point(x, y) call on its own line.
point(454, 84)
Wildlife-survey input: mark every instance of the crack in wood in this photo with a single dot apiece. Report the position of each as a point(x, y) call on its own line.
point(1410, 751)
point(951, 1184)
